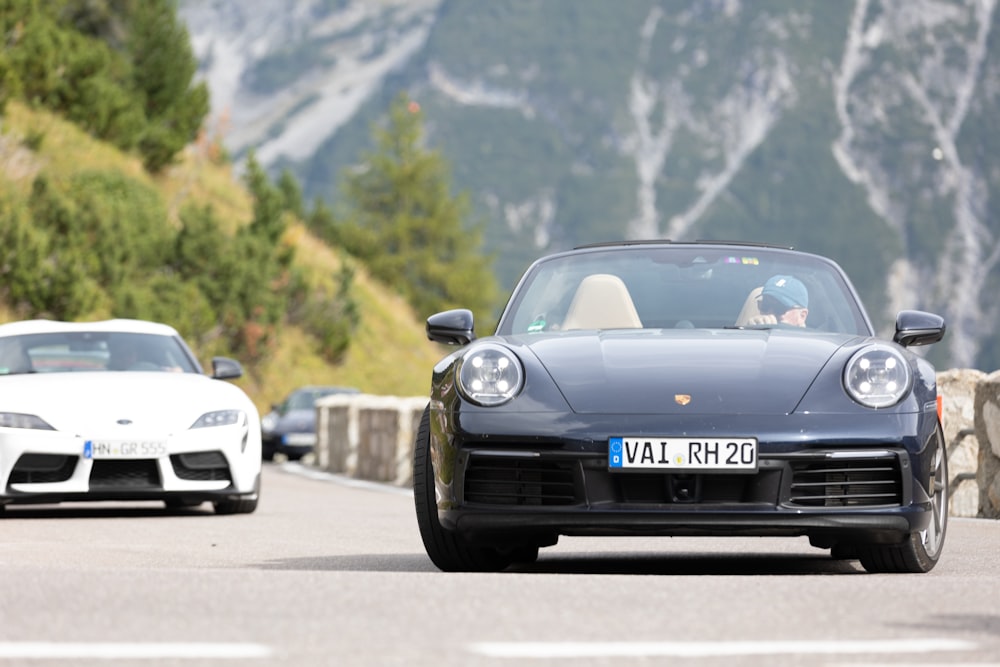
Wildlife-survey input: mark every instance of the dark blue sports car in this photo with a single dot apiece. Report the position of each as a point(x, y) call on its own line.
point(658, 388)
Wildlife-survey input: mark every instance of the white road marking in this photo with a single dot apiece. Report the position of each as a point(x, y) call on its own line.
point(128, 650)
point(550, 650)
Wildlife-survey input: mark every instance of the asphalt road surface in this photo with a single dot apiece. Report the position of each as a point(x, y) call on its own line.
point(332, 572)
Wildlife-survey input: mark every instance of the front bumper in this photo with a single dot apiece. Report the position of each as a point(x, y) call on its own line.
point(865, 483)
point(203, 464)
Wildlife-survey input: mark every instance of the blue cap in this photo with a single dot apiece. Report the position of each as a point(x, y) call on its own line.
point(788, 290)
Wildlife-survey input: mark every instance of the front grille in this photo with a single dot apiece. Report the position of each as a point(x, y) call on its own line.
point(869, 482)
point(125, 475)
point(494, 480)
point(42, 468)
point(201, 466)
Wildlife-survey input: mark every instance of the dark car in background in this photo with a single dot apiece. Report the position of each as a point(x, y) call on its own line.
point(290, 427)
point(658, 388)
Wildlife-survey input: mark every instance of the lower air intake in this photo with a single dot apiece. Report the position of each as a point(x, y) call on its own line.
point(201, 466)
point(871, 482)
point(109, 475)
point(494, 480)
point(42, 468)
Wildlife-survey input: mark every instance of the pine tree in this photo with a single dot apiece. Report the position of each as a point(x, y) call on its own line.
point(165, 67)
point(409, 227)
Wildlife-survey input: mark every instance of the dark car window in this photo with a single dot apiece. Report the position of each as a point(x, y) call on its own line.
point(682, 287)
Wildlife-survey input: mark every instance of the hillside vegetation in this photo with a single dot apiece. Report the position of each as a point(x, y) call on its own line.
point(388, 351)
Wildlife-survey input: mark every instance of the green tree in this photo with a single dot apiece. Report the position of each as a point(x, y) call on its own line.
point(164, 68)
point(409, 228)
point(123, 223)
point(121, 69)
point(291, 193)
point(66, 286)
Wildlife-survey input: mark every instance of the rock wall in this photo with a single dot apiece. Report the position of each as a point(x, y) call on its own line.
point(957, 389)
point(987, 426)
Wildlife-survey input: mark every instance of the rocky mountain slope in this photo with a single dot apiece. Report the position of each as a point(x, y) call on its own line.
point(865, 130)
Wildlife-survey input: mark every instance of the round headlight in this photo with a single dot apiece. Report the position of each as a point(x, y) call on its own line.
point(490, 375)
point(877, 376)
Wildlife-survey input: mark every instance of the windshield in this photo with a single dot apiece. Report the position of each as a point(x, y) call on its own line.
point(305, 399)
point(77, 351)
point(683, 286)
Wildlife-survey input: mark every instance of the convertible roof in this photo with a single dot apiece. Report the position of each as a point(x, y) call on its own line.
point(117, 325)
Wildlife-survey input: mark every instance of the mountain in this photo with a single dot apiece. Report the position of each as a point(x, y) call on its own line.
point(865, 130)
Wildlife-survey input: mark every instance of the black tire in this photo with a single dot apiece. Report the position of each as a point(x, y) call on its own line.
point(236, 506)
point(920, 551)
point(448, 551)
point(180, 503)
point(844, 552)
point(524, 554)
point(240, 504)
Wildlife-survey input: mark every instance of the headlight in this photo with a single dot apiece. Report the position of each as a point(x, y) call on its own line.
point(489, 375)
point(268, 422)
point(219, 418)
point(18, 420)
point(877, 376)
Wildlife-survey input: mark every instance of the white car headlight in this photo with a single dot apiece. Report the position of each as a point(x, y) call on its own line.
point(877, 376)
point(18, 420)
point(219, 418)
point(490, 375)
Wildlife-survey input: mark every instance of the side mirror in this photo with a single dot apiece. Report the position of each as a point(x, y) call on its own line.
point(452, 327)
point(224, 368)
point(915, 327)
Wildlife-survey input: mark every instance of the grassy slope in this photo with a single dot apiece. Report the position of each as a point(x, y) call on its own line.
point(390, 353)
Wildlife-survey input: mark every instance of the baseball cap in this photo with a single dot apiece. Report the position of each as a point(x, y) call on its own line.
point(788, 290)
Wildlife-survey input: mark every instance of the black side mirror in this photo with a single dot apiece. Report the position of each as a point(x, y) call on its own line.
point(915, 327)
point(452, 327)
point(224, 368)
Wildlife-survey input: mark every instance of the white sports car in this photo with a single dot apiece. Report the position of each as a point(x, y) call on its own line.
point(122, 410)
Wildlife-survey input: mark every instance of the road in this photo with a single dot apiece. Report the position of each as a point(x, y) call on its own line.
point(332, 572)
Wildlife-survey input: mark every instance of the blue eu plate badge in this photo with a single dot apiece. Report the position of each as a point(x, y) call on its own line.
point(615, 453)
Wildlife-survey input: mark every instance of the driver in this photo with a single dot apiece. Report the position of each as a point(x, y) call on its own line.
point(784, 300)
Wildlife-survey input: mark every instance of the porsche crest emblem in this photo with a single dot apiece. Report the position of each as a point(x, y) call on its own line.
point(682, 399)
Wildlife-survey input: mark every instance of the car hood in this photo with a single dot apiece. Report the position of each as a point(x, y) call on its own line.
point(162, 402)
point(751, 371)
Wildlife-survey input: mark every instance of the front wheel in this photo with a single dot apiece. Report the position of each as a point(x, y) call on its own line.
point(240, 504)
point(447, 550)
point(921, 550)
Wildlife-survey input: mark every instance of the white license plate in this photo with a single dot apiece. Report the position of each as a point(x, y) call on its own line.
point(299, 438)
point(682, 454)
point(124, 449)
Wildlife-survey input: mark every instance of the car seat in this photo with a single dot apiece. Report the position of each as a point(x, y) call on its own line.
point(602, 301)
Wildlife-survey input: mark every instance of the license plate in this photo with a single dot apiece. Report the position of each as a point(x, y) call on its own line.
point(683, 454)
point(124, 449)
point(299, 438)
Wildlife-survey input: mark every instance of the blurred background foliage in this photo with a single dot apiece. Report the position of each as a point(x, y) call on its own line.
point(131, 214)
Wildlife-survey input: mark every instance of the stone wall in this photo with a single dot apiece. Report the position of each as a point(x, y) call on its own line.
point(987, 427)
point(368, 437)
point(957, 389)
point(371, 437)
